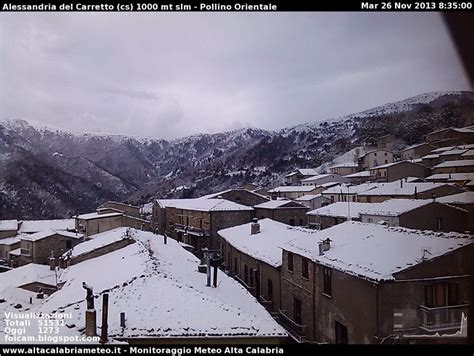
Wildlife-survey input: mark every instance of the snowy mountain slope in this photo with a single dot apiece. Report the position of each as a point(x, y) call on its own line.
point(47, 172)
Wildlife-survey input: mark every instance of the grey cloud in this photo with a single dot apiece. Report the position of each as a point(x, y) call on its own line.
point(179, 74)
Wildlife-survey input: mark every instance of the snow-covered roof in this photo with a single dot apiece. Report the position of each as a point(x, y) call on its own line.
point(406, 188)
point(387, 165)
point(351, 189)
point(16, 252)
point(161, 293)
point(8, 225)
point(346, 164)
point(275, 204)
point(201, 204)
point(461, 198)
point(457, 163)
point(32, 226)
point(308, 171)
point(416, 146)
point(11, 240)
point(317, 177)
point(443, 149)
point(216, 195)
point(430, 156)
point(96, 215)
point(292, 188)
point(455, 151)
point(451, 176)
point(394, 207)
point(309, 197)
point(374, 251)
point(468, 153)
point(43, 234)
point(359, 174)
point(304, 172)
point(340, 209)
point(264, 246)
point(100, 240)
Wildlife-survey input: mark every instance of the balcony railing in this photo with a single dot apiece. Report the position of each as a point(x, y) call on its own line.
point(298, 331)
point(444, 318)
point(191, 230)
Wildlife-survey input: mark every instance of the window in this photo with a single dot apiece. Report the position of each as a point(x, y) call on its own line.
point(441, 294)
point(251, 281)
point(301, 222)
point(385, 155)
point(386, 161)
point(292, 222)
point(270, 289)
point(375, 154)
point(327, 285)
point(439, 223)
point(341, 333)
point(304, 268)
point(296, 311)
point(68, 244)
point(290, 261)
point(236, 265)
point(246, 274)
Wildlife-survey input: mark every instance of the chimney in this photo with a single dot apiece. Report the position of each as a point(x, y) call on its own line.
point(52, 261)
point(254, 227)
point(416, 192)
point(324, 246)
point(401, 183)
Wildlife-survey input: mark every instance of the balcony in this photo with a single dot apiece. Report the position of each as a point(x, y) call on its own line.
point(190, 230)
point(297, 331)
point(446, 318)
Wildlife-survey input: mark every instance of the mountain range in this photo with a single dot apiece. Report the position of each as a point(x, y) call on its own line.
point(52, 173)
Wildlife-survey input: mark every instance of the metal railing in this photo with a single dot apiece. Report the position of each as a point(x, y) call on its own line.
point(443, 318)
point(298, 331)
point(191, 230)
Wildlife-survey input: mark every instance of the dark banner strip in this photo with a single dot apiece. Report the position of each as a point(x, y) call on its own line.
point(244, 6)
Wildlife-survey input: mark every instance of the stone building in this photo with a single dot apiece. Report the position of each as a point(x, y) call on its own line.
point(127, 209)
point(252, 254)
point(465, 201)
point(313, 201)
point(404, 189)
point(369, 283)
point(416, 151)
point(458, 166)
point(344, 169)
point(297, 175)
point(283, 210)
point(321, 179)
point(397, 170)
point(39, 247)
point(107, 219)
point(375, 158)
point(196, 221)
point(451, 136)
point(8, 228)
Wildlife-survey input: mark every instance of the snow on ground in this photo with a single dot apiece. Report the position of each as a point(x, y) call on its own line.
point(376, 252)
point(161, 292)
point(264, 246)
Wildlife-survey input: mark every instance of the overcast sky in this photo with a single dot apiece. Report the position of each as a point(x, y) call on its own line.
point(170, 75)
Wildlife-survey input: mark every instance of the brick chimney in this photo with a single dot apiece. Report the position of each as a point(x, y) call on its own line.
point(254, 227)
point(324, 246)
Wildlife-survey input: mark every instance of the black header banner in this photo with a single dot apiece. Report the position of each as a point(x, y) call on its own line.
point(244, 6)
